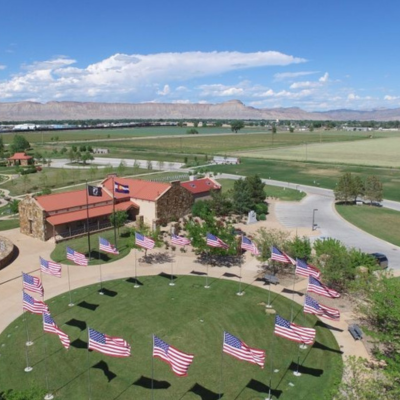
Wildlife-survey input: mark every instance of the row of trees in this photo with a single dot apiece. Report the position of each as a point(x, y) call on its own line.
point(351, 187)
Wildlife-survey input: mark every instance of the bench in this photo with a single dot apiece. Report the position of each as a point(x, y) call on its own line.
point(356, 332)
point(271, 279)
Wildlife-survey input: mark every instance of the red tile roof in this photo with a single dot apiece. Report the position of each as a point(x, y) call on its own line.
point(76, 198)
point(138, 189)
point(19, 156)
point(202, 185)
point(93, 212)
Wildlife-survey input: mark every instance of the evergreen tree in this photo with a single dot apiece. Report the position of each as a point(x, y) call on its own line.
point(241, 197)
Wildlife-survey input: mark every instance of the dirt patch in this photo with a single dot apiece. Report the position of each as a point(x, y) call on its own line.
point(323, 172)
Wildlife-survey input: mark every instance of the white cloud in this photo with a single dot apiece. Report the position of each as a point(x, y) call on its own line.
point(165, 91)
point(352, 96)
point(181, 101)
point(324, 78)
point(391, 98)
point(310, 84)
point(2, 66)
point(133, 77)
point(280, 76)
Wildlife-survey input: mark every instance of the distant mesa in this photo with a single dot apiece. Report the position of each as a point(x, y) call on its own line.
point(232, 109)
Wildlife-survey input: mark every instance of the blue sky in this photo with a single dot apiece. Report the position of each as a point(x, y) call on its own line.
point(285, 53)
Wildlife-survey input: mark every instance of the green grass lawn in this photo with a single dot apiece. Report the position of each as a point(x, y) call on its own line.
point(124, 245)
point(380, 222)
point(313, 174)
point(186, 316)
point(271, 191)
point(6, 224)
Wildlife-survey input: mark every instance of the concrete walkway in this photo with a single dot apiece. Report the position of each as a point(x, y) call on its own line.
point(184, 263)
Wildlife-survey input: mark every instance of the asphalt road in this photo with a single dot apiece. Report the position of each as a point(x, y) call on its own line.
point(329, 222)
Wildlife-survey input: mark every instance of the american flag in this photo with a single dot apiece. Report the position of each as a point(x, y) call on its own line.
point(294, 332)
point(180, 240)
point(50, 326)
point(315, 286)
point(144, 241)
point(281, 256)
point(214, 241)
point(112, 346)
point(32, 283)
point(50, 267)
point(304, 269)
point(119, 188)
point(33, 305)
point(106, 246)
point(178, 360)
point(77, 258)
point(247, 244)
point(311, 306)
point(236, 348)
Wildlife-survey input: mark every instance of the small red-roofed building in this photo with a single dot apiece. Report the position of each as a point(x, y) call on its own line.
point(20, 159)
point(201, 188)
point(65, 215)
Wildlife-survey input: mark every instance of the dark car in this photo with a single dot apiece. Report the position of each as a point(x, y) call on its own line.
point(381, 260)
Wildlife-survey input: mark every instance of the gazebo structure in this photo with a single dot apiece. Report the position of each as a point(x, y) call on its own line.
point(20, 159)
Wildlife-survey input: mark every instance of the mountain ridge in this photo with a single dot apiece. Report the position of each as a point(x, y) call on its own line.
point(232, 109)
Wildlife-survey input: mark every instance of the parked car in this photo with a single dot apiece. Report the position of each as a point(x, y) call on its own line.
point(381, 260)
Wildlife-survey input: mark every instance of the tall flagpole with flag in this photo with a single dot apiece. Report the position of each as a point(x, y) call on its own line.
point(87, 218)
point(29, 341)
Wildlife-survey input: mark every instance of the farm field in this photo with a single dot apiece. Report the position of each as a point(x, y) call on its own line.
point(187, 317)
point(313, 174)
point(383, 152)
point(380, 222)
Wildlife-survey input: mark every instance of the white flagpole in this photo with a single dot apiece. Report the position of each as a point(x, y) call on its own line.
point(49, 395)
point(240, 293)
point(172, 283)
point(207, 286)
point(71, 304)
point(88, 365)
point(136, 281)
point(152, 371)
point(29, 341)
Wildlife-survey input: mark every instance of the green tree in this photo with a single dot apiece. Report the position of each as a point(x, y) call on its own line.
point(1, 147)
point(256, 187)
point(241, 197)
point(87, 157)
point(220, 203)
point(202, 209)
point(118, 219)
point(266, 238)
point(373, 189)
point(237, 126)
point(82, 148)
point(192, 131)
point(273, 129)
point(19, 144)
point(299, 247)
point(121, 168)
point(149, 165)
point(291, 129)
point(345, 188)
point(14, 206)
point(136, 166)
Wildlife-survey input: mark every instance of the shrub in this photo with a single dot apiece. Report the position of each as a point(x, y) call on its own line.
point(262, 217)
point(261, 208)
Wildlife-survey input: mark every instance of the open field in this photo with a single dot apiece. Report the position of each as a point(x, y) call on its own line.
point(380, 222)
point(271, 191)
point(6, 224)
point(313, 174)
point(187, 317)
point(384, 152)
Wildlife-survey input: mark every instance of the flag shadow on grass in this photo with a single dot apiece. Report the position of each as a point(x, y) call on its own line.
point(79, 344)
point(327, 326)
point(305, 370)
point(77, 324)
point(88, 306)
point(198, 273)
point(263, 388)
point(318, 345)
point(168, 276)
point(229, 275)
point(107, 292)
point(135, 281)
point(103, 366)
point(146, 383)
point(204, 393)
point(98, 255)
point(289, 291)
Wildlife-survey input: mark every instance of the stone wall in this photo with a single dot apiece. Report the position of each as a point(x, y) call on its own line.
point(175, 203)
point(32, 219)
point(7, 252)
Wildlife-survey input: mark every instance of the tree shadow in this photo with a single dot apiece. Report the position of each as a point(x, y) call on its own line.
point(79, 344)
point(327, 326)
point(103, 366)
point(146, 383)
point(218, 260)
point(156, 258)
point(135, 281)
point(98, 255)
point(167, 276)
point(88, 306)
point(318, 345)
point(263, 388)
point(305, 370)
point(77, 324)
point(204, 393)
point(107, 292)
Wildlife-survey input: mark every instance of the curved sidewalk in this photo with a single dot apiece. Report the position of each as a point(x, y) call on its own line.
point(184, 264)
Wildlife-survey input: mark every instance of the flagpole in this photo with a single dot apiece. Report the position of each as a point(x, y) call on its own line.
point(28, 342)
point(207, 286)
point(152, 372)
point(222, 359)
point(136, 281)
point(41, 282)
point(49, 395)
point(291, 306)
point(115, 221)
point(87, 219)
point(297, 372)
point(71, 304)
point(88, 365)
point(172, 283)
point(303, 346)
point(240, 293)
point(101, 282)
point(271, 369)
point(28, 368)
